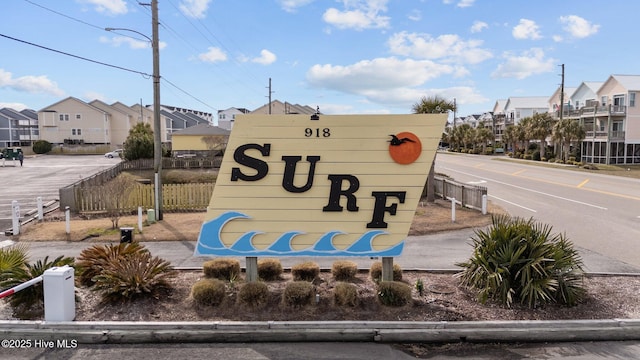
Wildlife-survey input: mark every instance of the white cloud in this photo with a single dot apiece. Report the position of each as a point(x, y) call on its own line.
point(293, 5)
point(529, 63)
point(461, 3)
point(578, 27)
point(415, 15)
point(92, 95)
point(377, 76)
point(449, 47)
point(478, 26)
point(31, 84)
point(266, 57)
point(465, 3)
point(358, 15)
point(194, 8)
point(213, 55)
point(111, 7)
point(14, 106)
point(526, 29)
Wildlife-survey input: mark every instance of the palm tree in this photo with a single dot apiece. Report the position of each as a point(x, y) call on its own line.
point(484, 135)
point(539, 127)
point(509, 137)
point(565, 132)
point(432, 105)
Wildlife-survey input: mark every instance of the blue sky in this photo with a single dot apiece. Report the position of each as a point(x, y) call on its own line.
point(345, 56)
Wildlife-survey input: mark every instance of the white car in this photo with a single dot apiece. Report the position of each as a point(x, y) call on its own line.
point(113, 154)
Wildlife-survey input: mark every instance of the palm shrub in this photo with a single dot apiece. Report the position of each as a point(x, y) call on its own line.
point(11, 259)
point(29, 303)
point(519, 260)
point(93, 260)
point(134, 276)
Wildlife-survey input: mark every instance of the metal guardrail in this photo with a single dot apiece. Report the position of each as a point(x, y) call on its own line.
point(466, 195)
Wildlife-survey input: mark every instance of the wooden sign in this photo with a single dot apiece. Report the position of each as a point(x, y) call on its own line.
point(341, 185)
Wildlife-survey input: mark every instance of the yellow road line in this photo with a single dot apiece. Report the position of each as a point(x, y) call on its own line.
point(583, 183)
point(519, 172)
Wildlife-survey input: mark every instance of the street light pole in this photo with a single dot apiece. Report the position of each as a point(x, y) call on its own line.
point(157, 124)
point(157, 143)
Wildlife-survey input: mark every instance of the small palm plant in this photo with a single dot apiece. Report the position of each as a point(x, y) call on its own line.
point(29, 303)
point(93, 260)
point(12, 258)
point(521, 260)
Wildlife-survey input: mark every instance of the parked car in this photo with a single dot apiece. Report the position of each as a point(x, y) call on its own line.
point(113, 154)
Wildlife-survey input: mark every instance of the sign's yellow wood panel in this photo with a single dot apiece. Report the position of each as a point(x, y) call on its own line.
point(342, 185)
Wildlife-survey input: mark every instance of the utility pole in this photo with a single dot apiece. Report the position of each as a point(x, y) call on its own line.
point(157, 124)
point(270, 96)
point(562, 93)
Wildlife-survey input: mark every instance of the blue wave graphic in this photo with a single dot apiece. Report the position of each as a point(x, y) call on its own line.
point(210, 243)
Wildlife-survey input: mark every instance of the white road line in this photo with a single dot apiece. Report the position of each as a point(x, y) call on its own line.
point(512, 203)
point(530, 190)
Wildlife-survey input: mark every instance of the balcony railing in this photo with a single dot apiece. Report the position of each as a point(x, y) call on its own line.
point(588, 111)
point(615, 135)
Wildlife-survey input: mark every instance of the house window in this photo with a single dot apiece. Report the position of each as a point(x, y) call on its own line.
point(63, 117)
point(76, 132)
point(603, 100)
point(618, 100)
point(632, 99)
point(78, 117)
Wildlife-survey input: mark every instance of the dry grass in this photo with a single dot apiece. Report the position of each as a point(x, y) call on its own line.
point(429, 218)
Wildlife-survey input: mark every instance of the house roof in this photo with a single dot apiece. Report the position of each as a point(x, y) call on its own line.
point(12, 114)
point(202, 129)
point(629, 82)
point(527, 102)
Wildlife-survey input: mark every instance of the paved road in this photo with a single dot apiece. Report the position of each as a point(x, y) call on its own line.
point(42, 176)
point(599, 213)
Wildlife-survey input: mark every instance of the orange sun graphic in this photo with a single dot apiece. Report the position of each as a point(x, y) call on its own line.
point(405, 148)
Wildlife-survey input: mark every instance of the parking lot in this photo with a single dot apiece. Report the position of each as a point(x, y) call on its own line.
point(42, 176)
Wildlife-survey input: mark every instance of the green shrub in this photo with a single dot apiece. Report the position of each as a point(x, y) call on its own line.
point(344, 270)
point(298, 293)
point(420, 287)
point(376, 272)
point(306, 271)
point(536, 155)
point(394, 293)
point(93, 260)
point(134, 276)
point(254, 293)
point(29, 303)
point(345, 294)
point(269, 269)
point(12, 258)
point(518, 260)
point(41, 146)
point(208, 292)
point(223, 269)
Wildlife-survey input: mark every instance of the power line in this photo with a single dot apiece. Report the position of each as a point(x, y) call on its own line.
point(63, 15)
point(189, 95)
point(76, 56)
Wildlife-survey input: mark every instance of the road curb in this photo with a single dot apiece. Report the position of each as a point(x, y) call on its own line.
point(87, 332)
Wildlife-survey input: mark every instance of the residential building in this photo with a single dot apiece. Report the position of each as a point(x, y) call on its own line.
point(517, 108)
point(612, 124)
point(555, 99)
point(202, 140)
point(73, 121)
point(499, 119)
point(278, 107)
point(227, 117)
point(18, 128)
